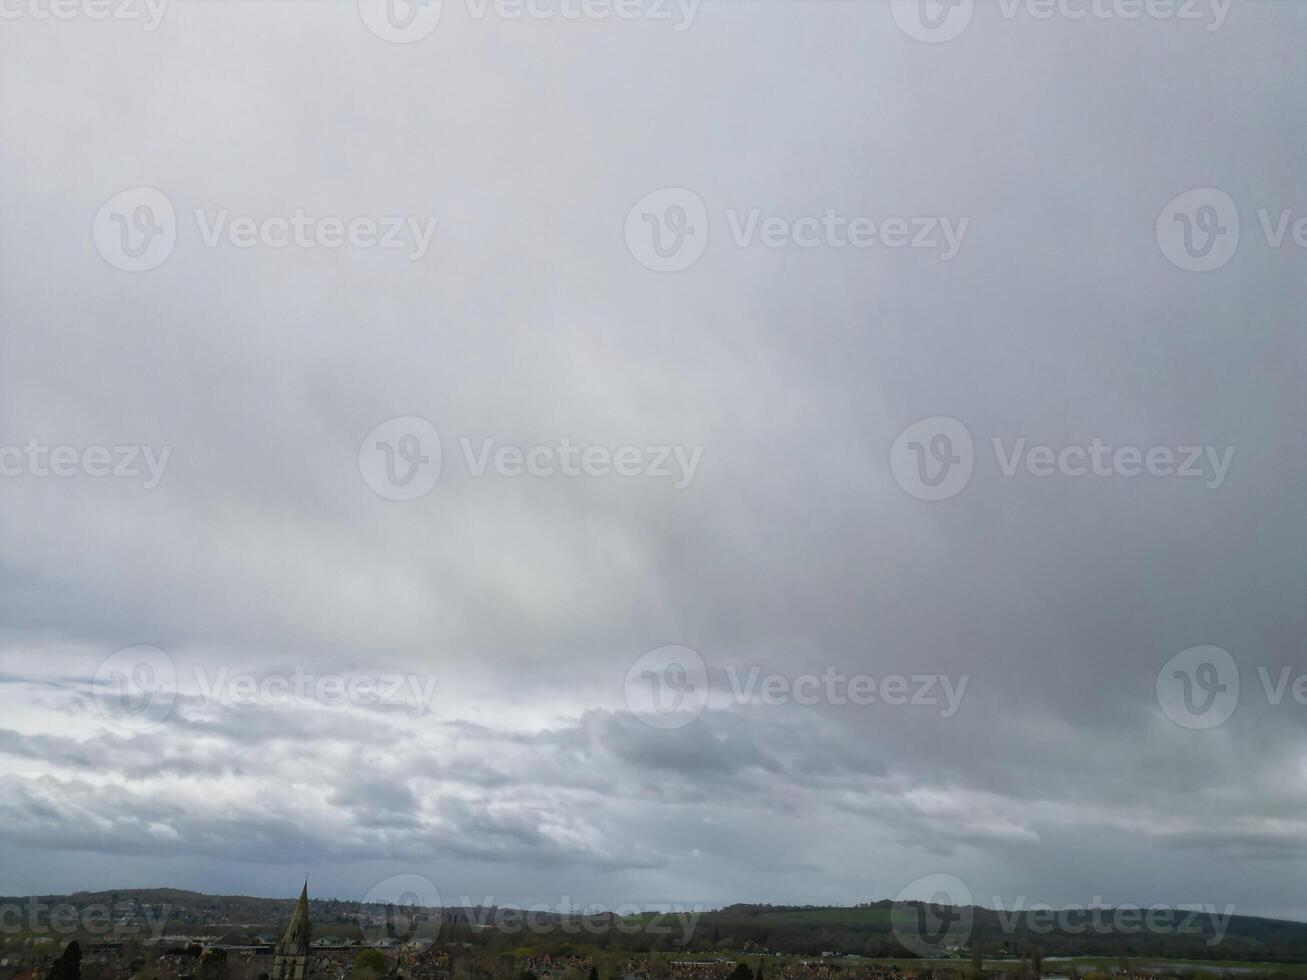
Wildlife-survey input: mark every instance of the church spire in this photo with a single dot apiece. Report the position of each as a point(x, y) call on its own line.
point(291, 956)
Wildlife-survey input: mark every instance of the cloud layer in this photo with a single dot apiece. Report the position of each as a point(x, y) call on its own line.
point(524, 599)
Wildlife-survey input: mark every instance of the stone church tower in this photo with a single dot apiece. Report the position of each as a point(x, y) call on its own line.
point(291, 957)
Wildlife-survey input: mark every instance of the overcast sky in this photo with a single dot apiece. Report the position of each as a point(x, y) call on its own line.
point(783, 532)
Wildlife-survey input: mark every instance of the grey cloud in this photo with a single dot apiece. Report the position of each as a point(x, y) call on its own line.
point(792, 550)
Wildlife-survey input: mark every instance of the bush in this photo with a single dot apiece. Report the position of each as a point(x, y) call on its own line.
point(369, 964)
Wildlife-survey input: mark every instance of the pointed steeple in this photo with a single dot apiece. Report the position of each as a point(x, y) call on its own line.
point(292, 953)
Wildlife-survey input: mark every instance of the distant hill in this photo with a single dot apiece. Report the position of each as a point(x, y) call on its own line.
point(868, 930)
point(864, 930)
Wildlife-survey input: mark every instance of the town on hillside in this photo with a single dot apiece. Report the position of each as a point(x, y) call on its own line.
point(437, 944)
